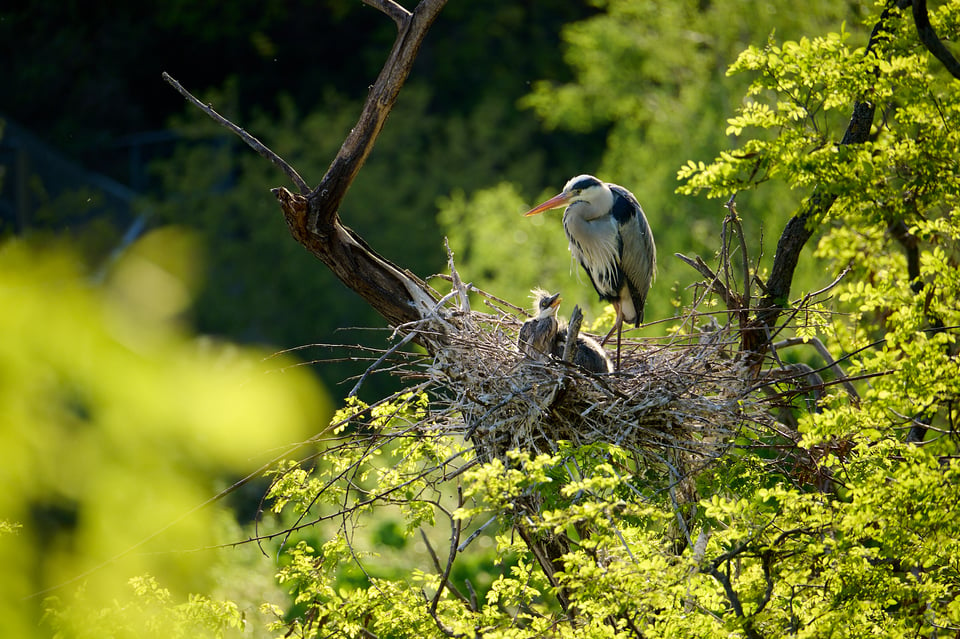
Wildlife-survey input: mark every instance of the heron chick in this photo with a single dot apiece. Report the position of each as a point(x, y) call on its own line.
point(588, 354)
point(537, 335)
point(610, 237)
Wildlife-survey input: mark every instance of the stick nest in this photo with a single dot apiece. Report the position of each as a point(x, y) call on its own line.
point(684, 395)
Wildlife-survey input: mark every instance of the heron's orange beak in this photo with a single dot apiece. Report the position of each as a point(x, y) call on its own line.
point(553, 203)
point(555, 302)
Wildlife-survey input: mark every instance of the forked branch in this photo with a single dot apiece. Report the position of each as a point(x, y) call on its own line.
point(312, 214)
point(326, 198)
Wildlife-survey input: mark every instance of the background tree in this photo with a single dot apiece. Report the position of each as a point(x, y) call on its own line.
point(456, 127)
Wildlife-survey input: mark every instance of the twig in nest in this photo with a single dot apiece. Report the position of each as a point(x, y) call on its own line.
point(484, 294)
point(573, 331)
point(409, 337)
point(458, 284)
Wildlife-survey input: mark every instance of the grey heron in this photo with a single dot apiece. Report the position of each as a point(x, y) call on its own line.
point(610, 237)
point(537, 335)
point(588, 353)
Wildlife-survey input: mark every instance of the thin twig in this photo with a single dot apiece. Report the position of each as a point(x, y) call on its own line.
point(458, 284)
point(457, 526)
point(716, 285)
point(439, 568)
point(735, 218)
point(409, 337)
point(476, 533)
point(490, 296)
point(251, 141)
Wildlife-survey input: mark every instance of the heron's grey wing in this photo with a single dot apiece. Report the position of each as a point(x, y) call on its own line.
point(638, 257)
point(591, 356)
point(524, 342)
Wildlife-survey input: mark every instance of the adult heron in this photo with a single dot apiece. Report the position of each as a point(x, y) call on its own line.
point(537, 335)
point(611, 239)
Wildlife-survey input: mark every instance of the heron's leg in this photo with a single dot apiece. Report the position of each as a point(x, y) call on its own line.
point(619, 331)
point(616, 324)
point(618, 327)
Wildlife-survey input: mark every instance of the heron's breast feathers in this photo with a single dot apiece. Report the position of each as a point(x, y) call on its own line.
point(597, 246)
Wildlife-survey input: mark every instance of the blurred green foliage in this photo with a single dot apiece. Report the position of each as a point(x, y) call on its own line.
point(118, 425)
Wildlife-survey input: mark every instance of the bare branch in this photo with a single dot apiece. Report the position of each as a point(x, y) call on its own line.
point(396, 293)
point(251, 141)
point(827, 357)
point(828, 287)
point(930, 40)
point(458, 284)
point(738, 228)
point(456, 528)
point(440, 570)
point(399, 15)
point(729, 298)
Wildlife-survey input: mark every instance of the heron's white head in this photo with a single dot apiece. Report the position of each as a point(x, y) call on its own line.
point(591, 191)
point(544, 304)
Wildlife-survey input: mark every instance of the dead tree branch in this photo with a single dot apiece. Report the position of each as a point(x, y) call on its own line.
point(397, 13)
point(312, 215)
point(251, 141)
point(326, 198)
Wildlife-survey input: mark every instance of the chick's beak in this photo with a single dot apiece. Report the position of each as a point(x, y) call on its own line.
point(553, 203)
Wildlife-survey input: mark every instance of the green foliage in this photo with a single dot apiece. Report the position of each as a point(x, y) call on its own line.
point(116, 426)
point(896, 191)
